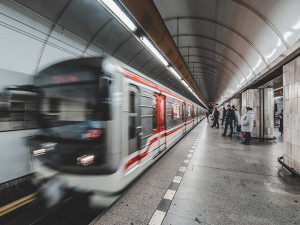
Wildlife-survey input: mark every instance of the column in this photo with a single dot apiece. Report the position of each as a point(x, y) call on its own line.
point(291, 114)
point(262, 102)
point(237, 103)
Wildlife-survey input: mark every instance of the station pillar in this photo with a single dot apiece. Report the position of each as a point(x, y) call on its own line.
point(237, 103)
point(262, 102)
point(291, 114)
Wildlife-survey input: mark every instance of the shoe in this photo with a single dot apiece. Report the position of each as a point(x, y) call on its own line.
point(229, 135)
point(211, 126)
point(247, 143)
point(243, 142)
point(223, 134)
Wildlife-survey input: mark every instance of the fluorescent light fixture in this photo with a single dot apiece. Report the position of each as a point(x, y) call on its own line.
point(185, 84)
point(119, 13)
point(153, 50)
point(190, 89)
point(296, 26)
point(238, 86)
point(175, 73)
point(286, 35)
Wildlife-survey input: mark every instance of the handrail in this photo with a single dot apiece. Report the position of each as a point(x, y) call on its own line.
point(292, 170)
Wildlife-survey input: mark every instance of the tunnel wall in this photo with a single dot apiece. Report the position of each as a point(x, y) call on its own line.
point(291, 114)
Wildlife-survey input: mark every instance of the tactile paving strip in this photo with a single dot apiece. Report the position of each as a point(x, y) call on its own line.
point(165, 203)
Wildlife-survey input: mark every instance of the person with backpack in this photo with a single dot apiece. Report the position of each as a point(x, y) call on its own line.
point(229, 117)
point(237, 120)
point(216, 115)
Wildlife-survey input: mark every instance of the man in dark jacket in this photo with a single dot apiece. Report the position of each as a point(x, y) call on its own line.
point(216, 115)
point(229, 116)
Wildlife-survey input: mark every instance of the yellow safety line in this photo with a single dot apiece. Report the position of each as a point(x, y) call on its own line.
point(17, 204)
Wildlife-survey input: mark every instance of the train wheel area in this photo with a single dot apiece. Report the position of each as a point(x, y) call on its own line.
point(73, 208)
point(210, 179)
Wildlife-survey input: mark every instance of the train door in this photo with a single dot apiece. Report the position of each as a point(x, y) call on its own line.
point(183, 116)
point(134, 124)
point(161, 120)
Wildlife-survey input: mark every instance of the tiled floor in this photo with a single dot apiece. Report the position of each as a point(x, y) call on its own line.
point(225, 183)
point(230, 183)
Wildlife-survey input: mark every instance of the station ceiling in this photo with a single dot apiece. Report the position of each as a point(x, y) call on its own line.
point(225, 44)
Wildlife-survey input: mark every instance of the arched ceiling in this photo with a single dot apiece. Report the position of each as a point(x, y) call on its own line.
point(87, 25)
point(228, 43)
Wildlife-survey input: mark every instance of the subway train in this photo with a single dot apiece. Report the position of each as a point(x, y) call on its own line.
point(102, 124)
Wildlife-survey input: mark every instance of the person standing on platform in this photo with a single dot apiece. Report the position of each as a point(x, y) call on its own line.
point(237, 121)
point(280, 116)
point(229, 116)
point(223, 116)
point(216, 115)
point(247, 124)
point(207, 115)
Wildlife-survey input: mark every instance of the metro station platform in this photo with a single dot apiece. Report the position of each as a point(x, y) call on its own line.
point(210, 179)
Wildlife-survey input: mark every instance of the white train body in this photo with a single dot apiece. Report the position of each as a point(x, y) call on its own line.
point(146, 120)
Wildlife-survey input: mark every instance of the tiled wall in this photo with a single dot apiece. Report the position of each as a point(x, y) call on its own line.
point(291, 114)
point(269, 112)
point(251, 98)
point(237, 103)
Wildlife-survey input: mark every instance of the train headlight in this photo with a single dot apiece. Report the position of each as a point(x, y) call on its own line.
point(85, 160)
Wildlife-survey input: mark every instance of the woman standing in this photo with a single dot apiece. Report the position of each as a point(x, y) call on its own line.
point(247, 124)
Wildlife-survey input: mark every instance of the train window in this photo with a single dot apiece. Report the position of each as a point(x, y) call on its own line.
point(154, 117)
point(175, 110)
point(132, 102)
point(189, 110)
point(132, 117)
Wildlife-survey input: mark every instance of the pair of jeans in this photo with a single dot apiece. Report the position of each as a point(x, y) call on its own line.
point(247, 137)
point(234, 124)
point(228, 122)
point(216, 122)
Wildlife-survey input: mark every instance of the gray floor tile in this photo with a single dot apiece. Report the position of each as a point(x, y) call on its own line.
point(172, 219)
point(188, 209)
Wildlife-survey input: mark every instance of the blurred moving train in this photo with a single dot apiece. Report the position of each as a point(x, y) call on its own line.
point(102, 125)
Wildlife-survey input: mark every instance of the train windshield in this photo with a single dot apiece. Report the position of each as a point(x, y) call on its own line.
point(74, 101)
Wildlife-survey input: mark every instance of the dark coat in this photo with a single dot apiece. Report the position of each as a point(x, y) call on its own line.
point(216, 114)
point(281, 122)
point(229, 114)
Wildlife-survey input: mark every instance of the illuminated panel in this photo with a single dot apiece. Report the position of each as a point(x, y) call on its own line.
point(94, 133)
point(64, 79)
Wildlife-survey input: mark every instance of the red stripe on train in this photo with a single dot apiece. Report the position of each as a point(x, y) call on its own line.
point(139, 157)
point(148, 83)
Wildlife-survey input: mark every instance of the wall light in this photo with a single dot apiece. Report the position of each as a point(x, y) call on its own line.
point(153, 50)
point(119, 13)
point(175, 73)
point(185, 84)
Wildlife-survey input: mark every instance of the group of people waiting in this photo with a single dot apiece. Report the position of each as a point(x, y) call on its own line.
point(232, 118)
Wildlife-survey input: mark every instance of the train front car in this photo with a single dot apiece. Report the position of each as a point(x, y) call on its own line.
point(80, 112)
